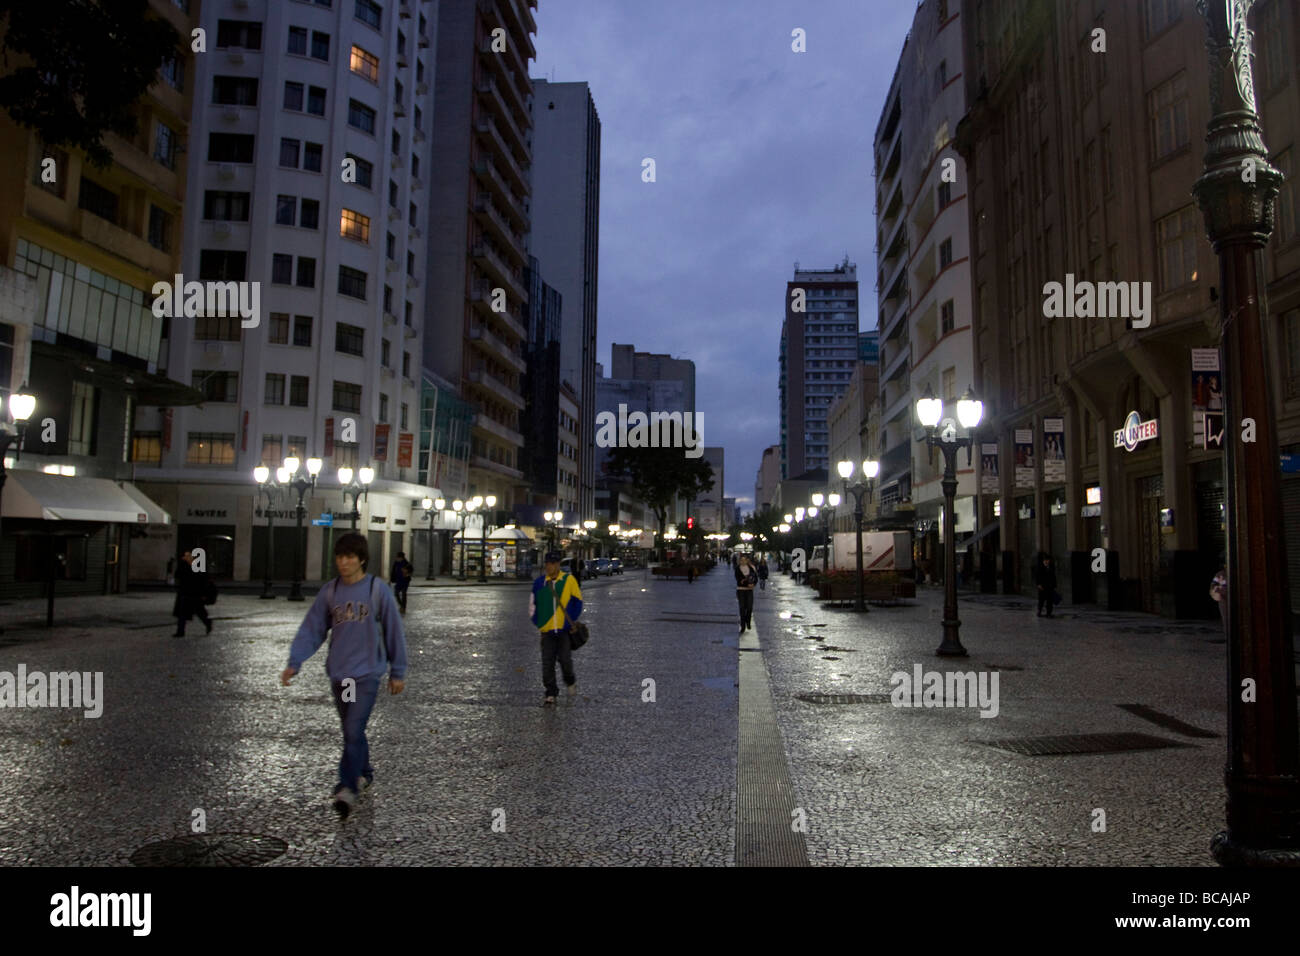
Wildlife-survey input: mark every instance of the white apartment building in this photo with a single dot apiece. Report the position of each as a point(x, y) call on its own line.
point(308, 161)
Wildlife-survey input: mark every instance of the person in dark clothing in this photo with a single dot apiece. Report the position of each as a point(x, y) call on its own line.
point(762, 574)
point(746, 578)
point(400, 578)
point(192, 587)
point(690, 574)
point(1045, 579)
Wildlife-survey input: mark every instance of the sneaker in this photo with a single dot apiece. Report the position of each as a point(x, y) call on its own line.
point(344, 799)
point(549, 702)
point(572, 690)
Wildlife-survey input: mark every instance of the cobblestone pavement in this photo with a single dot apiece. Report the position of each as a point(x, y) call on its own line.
point(202, 723)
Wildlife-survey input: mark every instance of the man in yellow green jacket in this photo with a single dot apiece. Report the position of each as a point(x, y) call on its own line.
point(555, 602)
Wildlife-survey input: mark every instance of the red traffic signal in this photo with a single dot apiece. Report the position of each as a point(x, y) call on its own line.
point(690, 523)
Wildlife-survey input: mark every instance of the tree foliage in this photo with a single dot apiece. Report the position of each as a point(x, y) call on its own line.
point(658, 475)
point(75, 69)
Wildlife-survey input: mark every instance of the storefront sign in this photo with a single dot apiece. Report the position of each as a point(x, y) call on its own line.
point(1136, 430)
point(1053, 449)
point(989, 480)
point(1090, 511)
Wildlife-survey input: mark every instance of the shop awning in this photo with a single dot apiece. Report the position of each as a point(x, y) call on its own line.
point(508, 534)
point(34, 494)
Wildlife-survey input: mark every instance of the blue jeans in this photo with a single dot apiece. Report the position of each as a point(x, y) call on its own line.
point(354, 714)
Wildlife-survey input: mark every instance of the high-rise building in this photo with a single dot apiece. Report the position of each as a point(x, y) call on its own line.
point(478, 220)
point(769, 475)
point(565, 239)
point(309, 154)
point(627, 363)
point(923, 265)
point(819, 347)
point(1080, 169)
point(81, 248)
point(540, 453)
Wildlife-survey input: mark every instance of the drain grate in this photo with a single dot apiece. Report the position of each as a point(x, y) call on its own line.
point(211, 849)
point(843, 698)
point(1081, 744)
point(1166, 721)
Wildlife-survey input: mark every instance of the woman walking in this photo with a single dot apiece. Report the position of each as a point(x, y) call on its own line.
point(746, 578)
point(192, 590)
point(1045, 578)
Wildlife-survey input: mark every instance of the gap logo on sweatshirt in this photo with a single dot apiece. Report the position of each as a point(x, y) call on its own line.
point(351, 611)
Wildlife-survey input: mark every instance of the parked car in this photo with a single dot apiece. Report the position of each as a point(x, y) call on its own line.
point(615, 566)
point(602, 566)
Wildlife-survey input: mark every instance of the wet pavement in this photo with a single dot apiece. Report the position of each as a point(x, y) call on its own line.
point(472, 770)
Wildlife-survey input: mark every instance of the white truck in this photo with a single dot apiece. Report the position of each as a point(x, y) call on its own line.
point(881, 551)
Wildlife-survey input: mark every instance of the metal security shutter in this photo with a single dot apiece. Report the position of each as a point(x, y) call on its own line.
point(1291, 528)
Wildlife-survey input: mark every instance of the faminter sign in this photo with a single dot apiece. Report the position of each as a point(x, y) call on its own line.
point(1136, 430)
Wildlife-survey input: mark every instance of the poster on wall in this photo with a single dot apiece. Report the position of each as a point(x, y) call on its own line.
point(1207, 399)
point(1053, 449)
point(405, 446)
point(989, 478)
point(381, 442)
point(1024, 458)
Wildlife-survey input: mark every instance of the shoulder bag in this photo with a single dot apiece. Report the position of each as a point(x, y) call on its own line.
point(579, 633)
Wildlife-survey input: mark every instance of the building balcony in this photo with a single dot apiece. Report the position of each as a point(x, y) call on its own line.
point(513, 56)
point(121, 243)
point(505, 99)
point(496, 268)
point(495, 347)
point(497, 388)
point(487, 173)
point(144, 167)
point(495, 222)
point(898, 402)
point(481, 298)
point(487, 464)
point(508, 435)
point(899, 356)
point(895, 462)
point(515, 174)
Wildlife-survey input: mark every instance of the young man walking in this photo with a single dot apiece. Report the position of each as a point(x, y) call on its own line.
point(353, 608)
point(192, 589)
point(400, 578)
point(555, 602)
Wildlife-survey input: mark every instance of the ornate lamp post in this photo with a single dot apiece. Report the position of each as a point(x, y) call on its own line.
point(1237, 193)
point(464, 509)
point(432, 506)
point(929, 411)
point(490, 502)
point(358, 488)
point(300, 483)
point(553, 519)
point(271, 487)
point(870, 468)
point(22, 404)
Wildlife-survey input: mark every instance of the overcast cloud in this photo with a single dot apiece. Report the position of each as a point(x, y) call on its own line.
point(763, 159)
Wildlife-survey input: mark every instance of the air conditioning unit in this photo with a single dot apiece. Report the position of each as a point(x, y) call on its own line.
point(396, 162)
point(226, 171)
point(390, 265)
point(399, 108)
point(412, 282)
point(230, 114)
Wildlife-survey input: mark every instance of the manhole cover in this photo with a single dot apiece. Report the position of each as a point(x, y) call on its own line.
point(211, 849)
point(1081, 744)
point(843, 698)
point(1166, 721)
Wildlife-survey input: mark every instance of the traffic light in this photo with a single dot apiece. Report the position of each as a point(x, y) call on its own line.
point(690, 523)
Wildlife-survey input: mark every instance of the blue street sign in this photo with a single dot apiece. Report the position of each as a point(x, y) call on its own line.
point(1290, 463)
point(324, 521)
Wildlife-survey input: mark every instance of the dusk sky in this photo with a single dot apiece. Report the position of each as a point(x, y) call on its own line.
point(763, 159)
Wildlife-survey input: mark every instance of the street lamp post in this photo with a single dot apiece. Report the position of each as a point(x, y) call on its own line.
point(464, 509)
point(431, 506)
point(358, 488)
point(929, 411)
point(1237, 193)
point(553, 519)
point(22, 404)
point(270, 486)
point(870, 468)
point(300, 483)
point(491, 502)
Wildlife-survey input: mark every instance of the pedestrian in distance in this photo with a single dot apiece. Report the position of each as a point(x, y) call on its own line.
point(400, 578)
point(554, 604)
point(193, 589)
point(1045, 579)
point(690, 573)
point(364, 624)
point(762, 573)
point(746, 578)
point(1219, 592)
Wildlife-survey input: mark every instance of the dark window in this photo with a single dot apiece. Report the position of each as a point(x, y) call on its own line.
point(172, 72)
point(274, 392)
point(310, 218)
point(289, 152)
point(306, 272)
point(286, 210)
point(293, 96)
point(316, 100)
point(367, 11)
point(278, 328)
point(945, 253)
point(246, 34)
point(1160, 14)
point(35, 554)
point(347, 397)
point(412, 217)
point(391, 246)
point(226, 206)
point(230, 148)
point(349, 339)
point(298, 40)
point(164, 145)
point(216, 386)
point(320, 45)
point(406, 364)
point(386, 354)
point(388, 299)
point(365, 171)
point(410, 263)
point(945, 194)
point(409, 311)
point(160, 228)
point(302, 330)
point(96, 199)
point(946, 312)
point(235, 91)
point(352, 282)
point(298, 390)
point(392, 194)
point(397, 142)
point(415, 165)
point(311, 157)
point(361, 116)
point(222, 265)
point(281, 268)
